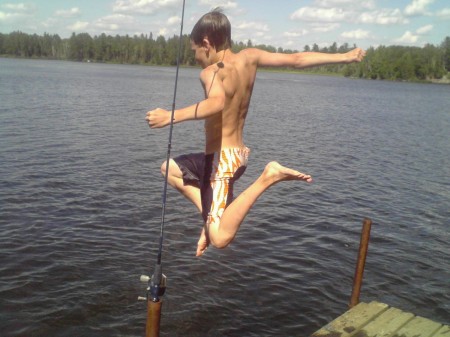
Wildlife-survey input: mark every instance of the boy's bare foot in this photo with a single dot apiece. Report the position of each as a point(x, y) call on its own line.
point(202, 244)
point(277, 172)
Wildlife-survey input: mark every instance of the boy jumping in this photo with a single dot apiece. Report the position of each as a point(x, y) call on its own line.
point(207, 178)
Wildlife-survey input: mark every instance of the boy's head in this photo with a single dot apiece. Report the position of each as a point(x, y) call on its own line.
point(215, 27)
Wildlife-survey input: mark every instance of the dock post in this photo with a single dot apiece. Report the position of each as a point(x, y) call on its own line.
point(363, 247)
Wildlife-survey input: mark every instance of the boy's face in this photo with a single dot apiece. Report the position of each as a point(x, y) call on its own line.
point(201, 54)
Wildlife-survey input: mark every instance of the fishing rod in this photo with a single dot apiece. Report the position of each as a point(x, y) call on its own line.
point(156, 285)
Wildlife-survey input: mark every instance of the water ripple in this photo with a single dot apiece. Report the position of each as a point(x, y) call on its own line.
point(80, 201)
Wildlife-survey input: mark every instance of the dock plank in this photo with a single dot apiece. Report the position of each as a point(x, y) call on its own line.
point(377, 319)
point(352, 320)
point(443, 332)
point(387, 323)
point(419, 327)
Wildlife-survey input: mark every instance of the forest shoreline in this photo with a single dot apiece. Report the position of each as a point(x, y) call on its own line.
point(445, 80)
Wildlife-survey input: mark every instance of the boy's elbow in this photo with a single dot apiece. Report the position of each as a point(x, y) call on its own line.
point(301, 61)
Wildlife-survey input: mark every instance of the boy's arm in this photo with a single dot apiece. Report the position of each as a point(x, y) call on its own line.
point(305, 59)
point(214, 103)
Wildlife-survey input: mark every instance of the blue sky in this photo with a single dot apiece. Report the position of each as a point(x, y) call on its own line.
point(280, 23)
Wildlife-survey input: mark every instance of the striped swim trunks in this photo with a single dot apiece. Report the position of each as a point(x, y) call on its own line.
point(215, 175)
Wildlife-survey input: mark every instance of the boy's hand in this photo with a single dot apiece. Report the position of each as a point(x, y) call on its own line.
point(158, 118)
point(356, 55)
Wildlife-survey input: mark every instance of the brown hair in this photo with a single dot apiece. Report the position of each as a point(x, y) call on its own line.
point(216, 27)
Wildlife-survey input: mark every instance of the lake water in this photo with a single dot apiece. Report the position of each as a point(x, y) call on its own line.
point(80, 203)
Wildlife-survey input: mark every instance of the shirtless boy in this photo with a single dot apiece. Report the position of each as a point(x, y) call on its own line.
point(207, 178)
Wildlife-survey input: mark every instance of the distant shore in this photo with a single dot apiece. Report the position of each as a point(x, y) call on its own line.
point(444, 80)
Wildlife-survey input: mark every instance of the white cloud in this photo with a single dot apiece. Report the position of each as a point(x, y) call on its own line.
point(408, 38)
point(253, 25)
point(16, 13)
point(13, 17)
point(331, 3)
point(114, 22)
point(444, 13)
point(218, 3)
point(383, 17)
point(174, 20)
point(293, 34)
point(418, 7)
point(289, 43)
point(68, 13)
point(4, 16)
point(424, 29)
point(324, 27)
point(366, 4)
point(143, 7)
point(356, 34)
point(18, 7)
point(50, 23)
point(320, 14)
point(78, 26)
point(246, 30)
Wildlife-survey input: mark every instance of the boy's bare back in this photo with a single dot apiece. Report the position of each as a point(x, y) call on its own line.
point(233, 79)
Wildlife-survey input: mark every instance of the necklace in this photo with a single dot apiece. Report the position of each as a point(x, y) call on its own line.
point(220, 64)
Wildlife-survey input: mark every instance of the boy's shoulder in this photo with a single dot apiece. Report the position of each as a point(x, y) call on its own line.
point(251, 50)
point(211, 69)
point(251, 54)
point(209, 73)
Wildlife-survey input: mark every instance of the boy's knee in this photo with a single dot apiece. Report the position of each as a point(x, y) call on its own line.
point(220, 243)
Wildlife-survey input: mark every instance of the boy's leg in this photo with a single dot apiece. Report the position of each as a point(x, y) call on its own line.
point(175, 179)
point(223, 232)
point(202, 243)
point(192, 193)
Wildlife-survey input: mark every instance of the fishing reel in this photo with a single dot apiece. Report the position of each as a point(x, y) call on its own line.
point(156, 286)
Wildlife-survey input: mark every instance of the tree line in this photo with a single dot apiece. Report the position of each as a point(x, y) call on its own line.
point(383, 62)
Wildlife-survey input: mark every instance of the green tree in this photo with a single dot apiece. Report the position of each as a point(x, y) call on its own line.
point(2, 44)
point(81, 47)
point(333, 48)
point(102, 48)
point(344, 48)
point(392, 63)
point(237, 47)
point(172, 50)
point(446, 50)
point(160, 50)
point(188, 54)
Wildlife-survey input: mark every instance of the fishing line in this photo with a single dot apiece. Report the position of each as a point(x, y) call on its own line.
point(157, 276)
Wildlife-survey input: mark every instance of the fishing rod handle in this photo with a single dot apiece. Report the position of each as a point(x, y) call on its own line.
point(153, 318)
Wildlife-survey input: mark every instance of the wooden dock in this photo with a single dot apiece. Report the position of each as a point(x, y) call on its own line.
point(377, 319)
